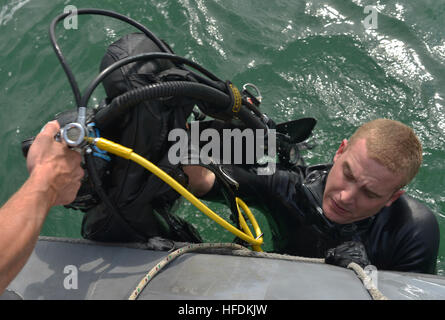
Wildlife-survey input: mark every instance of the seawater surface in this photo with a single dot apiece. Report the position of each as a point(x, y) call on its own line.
point(327, 59)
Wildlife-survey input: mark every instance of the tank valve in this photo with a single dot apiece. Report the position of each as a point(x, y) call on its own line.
point(74, 134)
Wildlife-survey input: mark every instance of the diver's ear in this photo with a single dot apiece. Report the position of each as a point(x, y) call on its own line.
point(341, 149)
point(394, 197)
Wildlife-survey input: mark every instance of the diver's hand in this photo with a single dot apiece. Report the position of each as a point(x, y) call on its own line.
point(344, 254)
point(56, 168)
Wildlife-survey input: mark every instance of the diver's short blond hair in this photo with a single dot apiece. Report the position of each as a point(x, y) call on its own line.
point(392, 144)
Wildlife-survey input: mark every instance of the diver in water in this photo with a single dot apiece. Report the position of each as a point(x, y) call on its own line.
point(353, 210)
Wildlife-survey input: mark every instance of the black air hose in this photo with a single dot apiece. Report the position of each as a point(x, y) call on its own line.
point(251, 121)
point(120, 105)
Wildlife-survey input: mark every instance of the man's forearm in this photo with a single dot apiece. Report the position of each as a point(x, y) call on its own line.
point(21, 219)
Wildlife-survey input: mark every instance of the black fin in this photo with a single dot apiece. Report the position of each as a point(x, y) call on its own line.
point(297, 130)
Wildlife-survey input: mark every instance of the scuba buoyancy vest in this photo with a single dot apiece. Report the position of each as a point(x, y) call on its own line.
point(143, 201)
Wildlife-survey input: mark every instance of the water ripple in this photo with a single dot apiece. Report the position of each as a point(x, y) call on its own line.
point(8, 10)
point(203, 27)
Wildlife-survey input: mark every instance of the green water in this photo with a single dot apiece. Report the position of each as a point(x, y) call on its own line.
point(309, 58)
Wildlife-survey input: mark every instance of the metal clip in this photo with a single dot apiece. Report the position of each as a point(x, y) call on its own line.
point(254, 87)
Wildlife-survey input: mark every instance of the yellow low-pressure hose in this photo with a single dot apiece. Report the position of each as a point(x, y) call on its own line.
point(128, 153)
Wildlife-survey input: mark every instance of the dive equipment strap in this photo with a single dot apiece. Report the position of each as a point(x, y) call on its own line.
point(227, 186)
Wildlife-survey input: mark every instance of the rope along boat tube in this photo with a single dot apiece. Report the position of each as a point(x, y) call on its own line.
point(239, 250)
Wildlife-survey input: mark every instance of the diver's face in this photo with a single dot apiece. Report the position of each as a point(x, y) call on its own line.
point(358, 187)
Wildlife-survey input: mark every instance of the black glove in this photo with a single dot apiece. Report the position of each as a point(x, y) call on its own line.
point(344, 254)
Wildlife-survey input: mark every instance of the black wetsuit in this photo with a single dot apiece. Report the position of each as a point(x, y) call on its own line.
point(402, 237)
